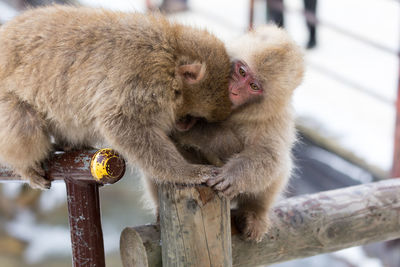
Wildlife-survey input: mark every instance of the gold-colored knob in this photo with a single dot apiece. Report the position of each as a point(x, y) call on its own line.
point(107, 166)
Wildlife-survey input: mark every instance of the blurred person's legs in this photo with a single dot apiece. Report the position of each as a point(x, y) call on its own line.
point(310, 7)
point(275, 12)
point(22, 4)
point(170, 6)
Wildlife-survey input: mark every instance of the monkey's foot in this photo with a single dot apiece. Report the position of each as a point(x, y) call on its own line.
point(36, 177)
point(251, 225)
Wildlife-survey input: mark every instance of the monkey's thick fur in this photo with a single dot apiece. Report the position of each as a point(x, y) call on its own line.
point(255, 142)
point(85, 76)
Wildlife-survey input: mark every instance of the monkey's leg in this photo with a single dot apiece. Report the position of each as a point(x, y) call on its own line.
point(152, 190)
point(24, 143)
point(251, 217)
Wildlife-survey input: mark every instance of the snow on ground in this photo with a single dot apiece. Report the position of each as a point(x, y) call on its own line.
point(51, 241)
point(344, 258)
point(118, 5)
point(356, 257)
point(44, 241)
point(357, 121)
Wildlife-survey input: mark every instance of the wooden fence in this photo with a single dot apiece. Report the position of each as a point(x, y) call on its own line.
point(194, 228)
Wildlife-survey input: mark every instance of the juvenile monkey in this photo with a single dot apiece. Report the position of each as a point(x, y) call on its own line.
point(254, 143)
point(86, 76)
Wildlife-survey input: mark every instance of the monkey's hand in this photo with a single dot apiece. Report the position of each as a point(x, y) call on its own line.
point(205, 173)
point(36, 177)
point(227, 185)
point(191, 174)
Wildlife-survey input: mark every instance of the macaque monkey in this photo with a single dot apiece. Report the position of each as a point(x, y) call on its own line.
point(254, 143)
point(85, 76)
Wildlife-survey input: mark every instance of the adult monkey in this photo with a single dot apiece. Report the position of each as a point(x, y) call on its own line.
point(84, 76)
point(253, 145)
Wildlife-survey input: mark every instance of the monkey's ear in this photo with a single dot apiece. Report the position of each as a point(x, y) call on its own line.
point(192, 73)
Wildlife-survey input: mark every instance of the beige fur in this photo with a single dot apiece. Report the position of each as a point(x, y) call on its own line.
point(255, 142)
point(88, 75)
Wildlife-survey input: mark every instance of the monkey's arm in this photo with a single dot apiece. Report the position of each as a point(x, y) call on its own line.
point(154, 151)
point(254, 169)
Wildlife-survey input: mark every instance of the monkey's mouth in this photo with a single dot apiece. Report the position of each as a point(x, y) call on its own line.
point(185, 123)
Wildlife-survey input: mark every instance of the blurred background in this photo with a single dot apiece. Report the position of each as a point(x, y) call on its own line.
point(346, 112)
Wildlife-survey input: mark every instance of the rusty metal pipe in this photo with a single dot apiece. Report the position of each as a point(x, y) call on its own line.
point(83, 173)
point(78, 165)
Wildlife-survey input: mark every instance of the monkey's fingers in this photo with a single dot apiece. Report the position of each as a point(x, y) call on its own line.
point(223, 185)
point(36, 180)
point(215, 172)
point(214, 180)
point(229, 193)
point(39, 169)
point(37, 183)
point(204, 178)
point(205, 174)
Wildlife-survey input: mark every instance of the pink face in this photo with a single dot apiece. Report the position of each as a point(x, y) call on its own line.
point(243, 87)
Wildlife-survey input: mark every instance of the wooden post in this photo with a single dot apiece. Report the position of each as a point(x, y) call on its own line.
point(195, 227)
point(302, 226)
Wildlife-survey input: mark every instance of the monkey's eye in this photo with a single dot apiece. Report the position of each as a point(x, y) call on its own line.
point(254, 87)
point(242, 72)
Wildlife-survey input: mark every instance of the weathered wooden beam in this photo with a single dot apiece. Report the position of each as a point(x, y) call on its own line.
point(195, 231)
point(140, 246)
point(302, 226)
point(195, 226)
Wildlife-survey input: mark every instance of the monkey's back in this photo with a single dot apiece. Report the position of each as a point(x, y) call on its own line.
point(77, 57)
point(69, 60)
point(76, 65)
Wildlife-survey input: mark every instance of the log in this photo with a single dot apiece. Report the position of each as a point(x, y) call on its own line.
point(140, 247)
point(195, 226)
point(307, 225)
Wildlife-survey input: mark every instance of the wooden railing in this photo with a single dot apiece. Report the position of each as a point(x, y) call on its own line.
point(194, 228)
point(83, 172)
